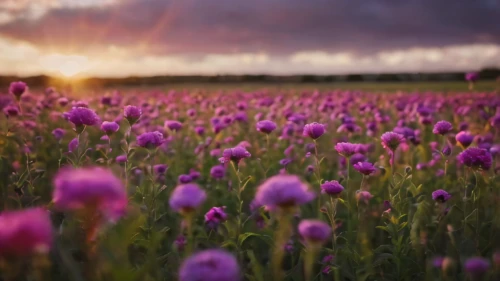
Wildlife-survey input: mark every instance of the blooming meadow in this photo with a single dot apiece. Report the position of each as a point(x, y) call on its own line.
point(259, 185)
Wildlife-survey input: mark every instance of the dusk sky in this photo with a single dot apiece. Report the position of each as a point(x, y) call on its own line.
point(117, 38)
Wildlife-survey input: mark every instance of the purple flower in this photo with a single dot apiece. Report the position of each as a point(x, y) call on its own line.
point(215, 216)
point(391, 140)
point(25, 232)
point(184, 179)
point(73, 145)
point(366, 168)
point(346, 149)
point(313, 130)
point(150, 139)
point(357, 157)
point(364, 196)
point(194, 174)
point(121, 158)
point(314, 231)
point(440, 196)
point(210, 265)
point(218, 172)
point(476, 267)
point(160, 169)
point(17, 88)
point(11, 110)
point(173, 125)
point(285, 161)
point(442, 128)
point(58, 133)
point(437, 262)
point(475, 158)
point(93, 188)
point(132, 113)
point(187, 197)
point(109, 127)
point(333, 188)
point(266, 126)
point(82, 116)
point(234, 154)
point(471, 76)
point(464, 139)
point(283, 191)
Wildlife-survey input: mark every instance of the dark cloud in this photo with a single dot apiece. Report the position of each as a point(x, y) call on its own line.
point(279, 27)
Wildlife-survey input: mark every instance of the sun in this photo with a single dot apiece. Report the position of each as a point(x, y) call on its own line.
point(66, 65)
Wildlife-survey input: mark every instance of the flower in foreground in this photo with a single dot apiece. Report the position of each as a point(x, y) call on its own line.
point(17, 88)
point(283, 191)
point(464, 139)
point(313, 130)
point(210, 265)
point(109, 127)
point(92, 189)
point(82, 116)
point(132, 113)
point(365, 168)
point(187, 197)
point(476, 267)
point(150, 139)
point(266, 126)
point(234, 154)
point(391, 140)
point(314, 231)
point(475, 158)
point(440, 196)
point(333, 188)
point(25, 232)
point(442, 128)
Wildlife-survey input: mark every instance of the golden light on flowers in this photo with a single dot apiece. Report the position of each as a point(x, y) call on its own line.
point(66, 65)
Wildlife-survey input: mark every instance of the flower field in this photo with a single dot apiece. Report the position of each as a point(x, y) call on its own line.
point(257, 185)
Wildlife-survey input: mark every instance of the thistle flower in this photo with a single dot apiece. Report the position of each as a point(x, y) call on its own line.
point(173, 125)
point(218, 172)
point(464, 139)
point(210, 265)
point(17, 89)
point(215, 216)
point(73, 145)
point(391, 140)
point(234, 154)
point(333, 188)
point(93, 189)
point(187, 197)
point(266, 126)
point(357, 157)
point(160, 169)
point(346, 149)
point(442, 128)
point(82, 116)
point(475, 158)
point(25, 232)
point(283, 191)
point(11, 110)
point(440, 196)
point(109, 127)
point(476, 267)
point(132, 113)
point(184, 179)
point(313, 130)
point(58, 133)
point(150, 139)
point(365, 168)
point(314, 231)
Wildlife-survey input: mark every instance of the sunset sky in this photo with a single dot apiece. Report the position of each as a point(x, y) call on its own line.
point(117, 38)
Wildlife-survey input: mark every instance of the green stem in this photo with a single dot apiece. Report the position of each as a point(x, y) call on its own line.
point(282, 235)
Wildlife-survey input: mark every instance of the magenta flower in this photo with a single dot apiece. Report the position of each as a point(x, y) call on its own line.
point(364, 196)
point(210, 265)
point(58, 133)
point(150, 140)
point(471, 76)
point(215, 216)
point(333, 188)
point(440, 196)
point(173, 125)
point(313, 130)
point(160, 169)
point(218, 172)
point(93, 189)
point(283, 191)
point(465, 139)
point(187, 197)
point(73, 145)
point(314, 231)
point(109, 127)
point(132, 113)
point(475, 158)
point(11, 110)
point(391, 140)
point(17, 89)
point(442, 128)
point(121, 158)
point(266, 126)
point(82, 116)
point(365, 168)
point(346, 149)
point(184, 178)
point(25, 232)
point(234, 154)
point(476, 267)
